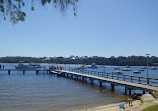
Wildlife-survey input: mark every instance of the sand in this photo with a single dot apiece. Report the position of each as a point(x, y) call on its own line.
point(136, 106)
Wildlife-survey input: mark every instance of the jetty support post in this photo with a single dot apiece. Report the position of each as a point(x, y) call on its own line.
point(76, 77)
point(8, 71)
point(37, 71)
point(143, 92)
point(48, 71)
point(125, 90)
point(130, 91)
point(100, 82)
point(64, 74)
point(71, 76)
point(147, 80)
point(112, 88)
point(83, 78)
point(79, 78)
point(67, 75)
point(92, 81)
point(23, 71)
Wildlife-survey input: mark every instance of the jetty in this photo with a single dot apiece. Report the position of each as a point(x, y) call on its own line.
point(24, 70)
point(114, 80)
point(129, 82)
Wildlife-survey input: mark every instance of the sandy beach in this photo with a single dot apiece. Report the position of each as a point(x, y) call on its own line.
point(136, 106)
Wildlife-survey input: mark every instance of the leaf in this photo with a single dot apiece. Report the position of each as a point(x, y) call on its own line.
point(2, 9)
point(75, 14)
point(24, 14)
point(32, 8)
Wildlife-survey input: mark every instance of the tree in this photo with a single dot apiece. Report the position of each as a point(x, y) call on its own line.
point(12, 9)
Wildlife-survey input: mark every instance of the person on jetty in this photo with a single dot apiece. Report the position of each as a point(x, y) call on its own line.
point(0, 66)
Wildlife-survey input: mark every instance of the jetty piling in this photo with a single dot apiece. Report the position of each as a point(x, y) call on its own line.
point(100, 82)
point(112, 88)
point(8, 71)
point(83, 79)
point(143, 92)
point(125, 91)
point(130, 90)
point(71, 76)
point(37, 71)
point(92, 81)
point(23, 71)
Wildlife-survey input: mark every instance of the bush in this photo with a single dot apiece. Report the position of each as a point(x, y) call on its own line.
point(151, 108)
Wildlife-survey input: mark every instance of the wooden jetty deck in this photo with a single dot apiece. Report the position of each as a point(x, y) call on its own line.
point(128, 85)
point(24, 70)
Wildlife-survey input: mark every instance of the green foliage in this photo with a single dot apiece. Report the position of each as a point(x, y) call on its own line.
point(151, 108)
point(32, 8)
point(12, 9)
point(118, 61)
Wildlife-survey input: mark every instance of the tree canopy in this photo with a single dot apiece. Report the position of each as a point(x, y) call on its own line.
point(116, 61)
point(12, 9)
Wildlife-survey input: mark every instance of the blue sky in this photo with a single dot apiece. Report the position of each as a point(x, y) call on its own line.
point(101, 28)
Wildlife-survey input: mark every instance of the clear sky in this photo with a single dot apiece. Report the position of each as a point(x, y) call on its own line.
point(101, 28)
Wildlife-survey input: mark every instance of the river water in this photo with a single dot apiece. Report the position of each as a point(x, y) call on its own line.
point(44, 92)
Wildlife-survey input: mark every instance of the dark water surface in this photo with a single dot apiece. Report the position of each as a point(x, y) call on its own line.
point(31, 92)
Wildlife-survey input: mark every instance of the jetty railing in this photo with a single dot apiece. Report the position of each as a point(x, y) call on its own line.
point(122, 77)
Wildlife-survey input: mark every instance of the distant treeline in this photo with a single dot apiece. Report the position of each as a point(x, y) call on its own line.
point(116, 61)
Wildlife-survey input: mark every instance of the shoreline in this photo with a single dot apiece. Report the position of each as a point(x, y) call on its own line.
point(137, 105)
point(99, 108)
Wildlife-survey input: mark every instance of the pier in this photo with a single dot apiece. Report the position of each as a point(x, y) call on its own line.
point(24, 70)
point(113, 81)
point(127, 81)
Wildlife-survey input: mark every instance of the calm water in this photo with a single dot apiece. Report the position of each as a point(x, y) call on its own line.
point(31, 92)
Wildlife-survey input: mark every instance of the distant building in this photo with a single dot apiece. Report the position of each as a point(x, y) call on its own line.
point(47, 59)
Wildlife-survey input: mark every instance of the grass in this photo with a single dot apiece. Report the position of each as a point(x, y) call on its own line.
point(151, 108)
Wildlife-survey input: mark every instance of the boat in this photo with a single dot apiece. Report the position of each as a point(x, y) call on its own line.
point(82, 67)
point(27, 66)
point(37, 65)
point(56, 73)
point(116, 68)
point(126, 69)
point(59, 74)
point(117, 72)
point(143, 67)
point(93, 66)
point(137, 72)
point(153, 68)
point(127, 66)
point(53, 72)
